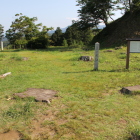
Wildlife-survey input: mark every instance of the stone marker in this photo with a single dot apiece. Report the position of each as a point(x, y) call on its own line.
point(96, 57)
point(1, 45)
point(40, 95)
point(86, 58)
point(131, 90)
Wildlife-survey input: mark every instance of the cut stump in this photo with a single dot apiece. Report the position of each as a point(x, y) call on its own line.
point(131, 90)
point(40, 95)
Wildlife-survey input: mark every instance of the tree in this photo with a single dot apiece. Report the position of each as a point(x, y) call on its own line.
point(71, 34)
point(57, 37)
point(1, 32)
point(93, 12)
point(65, 44)
point(76, 36)
point(128, 5)
point(24, 32)
point(41, 41)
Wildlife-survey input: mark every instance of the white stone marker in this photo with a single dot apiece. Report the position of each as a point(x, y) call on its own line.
point(96, 58)
point(1, 45)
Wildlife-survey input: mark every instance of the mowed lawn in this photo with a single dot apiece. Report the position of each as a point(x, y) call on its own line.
point(88, 105)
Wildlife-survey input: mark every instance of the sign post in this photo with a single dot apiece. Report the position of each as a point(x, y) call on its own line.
point(133, 46)
point(96, 58)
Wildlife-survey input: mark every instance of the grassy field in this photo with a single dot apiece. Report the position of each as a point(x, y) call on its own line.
point(89, 105)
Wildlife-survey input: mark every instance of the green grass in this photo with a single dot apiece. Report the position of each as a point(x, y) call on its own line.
point(89, 105)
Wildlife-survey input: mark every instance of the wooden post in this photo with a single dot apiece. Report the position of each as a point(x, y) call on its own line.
point(96, 58)
point(128, 55)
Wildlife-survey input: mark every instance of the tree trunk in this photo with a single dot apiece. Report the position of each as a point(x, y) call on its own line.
point(130, 5)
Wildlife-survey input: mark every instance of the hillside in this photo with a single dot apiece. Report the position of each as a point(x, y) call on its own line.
point(115, 34)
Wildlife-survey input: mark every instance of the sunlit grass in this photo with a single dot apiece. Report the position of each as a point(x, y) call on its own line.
point(89, 105)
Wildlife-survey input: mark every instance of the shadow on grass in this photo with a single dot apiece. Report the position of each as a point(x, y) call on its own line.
point(59, 48)
point(77, 72)
point(10, 51)
point(15, 50)
point(54, 48)
point(117, 70)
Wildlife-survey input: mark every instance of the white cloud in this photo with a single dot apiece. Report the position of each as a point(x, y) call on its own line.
point(71, 18)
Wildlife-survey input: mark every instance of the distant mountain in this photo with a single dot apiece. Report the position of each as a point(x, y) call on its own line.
point(64, 29)
point(4, 39)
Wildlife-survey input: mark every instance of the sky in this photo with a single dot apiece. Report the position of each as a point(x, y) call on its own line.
point(51, 13)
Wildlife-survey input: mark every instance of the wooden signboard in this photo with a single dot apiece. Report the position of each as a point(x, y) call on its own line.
point(133, 46)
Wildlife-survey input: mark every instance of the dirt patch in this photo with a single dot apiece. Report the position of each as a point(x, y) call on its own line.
point(11, 135)
point(40, 95)
point(105, 94)
point(39, 131)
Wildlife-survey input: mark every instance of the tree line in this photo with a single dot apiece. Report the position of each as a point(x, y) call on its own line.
point(73, 37)
point(25, 33)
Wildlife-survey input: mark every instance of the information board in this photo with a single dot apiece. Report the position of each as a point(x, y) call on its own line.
point(134, 46)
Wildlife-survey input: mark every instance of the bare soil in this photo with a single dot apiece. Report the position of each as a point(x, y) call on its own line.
point(41, 95)
point(11, 135)
point(37, 130)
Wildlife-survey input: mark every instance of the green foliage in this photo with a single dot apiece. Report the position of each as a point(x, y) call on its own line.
point(77, 37)
point(57, 37)
point(41, 42)
point(92, 13)
point(25, 33)
point(65, 43)
point(73, 37)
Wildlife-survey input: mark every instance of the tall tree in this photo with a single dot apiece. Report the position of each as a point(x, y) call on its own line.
point(93, 12)
point(75, 35)
point(57, 37)
point(41, 41)
point(128, 5)
point(24, 31)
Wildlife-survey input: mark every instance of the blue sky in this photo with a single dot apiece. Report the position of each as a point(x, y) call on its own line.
point(51, 13)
